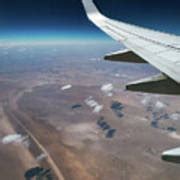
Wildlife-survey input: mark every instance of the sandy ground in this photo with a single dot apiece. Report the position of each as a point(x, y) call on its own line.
point(15, 157)
point(80, 149)
point(62, 125)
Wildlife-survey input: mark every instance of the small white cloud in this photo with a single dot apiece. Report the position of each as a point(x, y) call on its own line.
point(93, 104)
point(117, 75)
point(175, 116)
point(66, 87)
point(98, 108)
point(41, 157)
point(12, 138)
point(160, 105)
point(107, 89)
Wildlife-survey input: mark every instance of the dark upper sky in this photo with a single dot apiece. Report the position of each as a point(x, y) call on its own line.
point(66, 18)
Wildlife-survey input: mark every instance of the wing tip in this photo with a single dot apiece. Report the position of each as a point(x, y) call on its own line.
point(90, 7)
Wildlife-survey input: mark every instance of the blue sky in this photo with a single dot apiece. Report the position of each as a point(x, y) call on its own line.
point(66, 20)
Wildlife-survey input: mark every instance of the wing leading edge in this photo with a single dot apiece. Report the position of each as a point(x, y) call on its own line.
point(158, 49)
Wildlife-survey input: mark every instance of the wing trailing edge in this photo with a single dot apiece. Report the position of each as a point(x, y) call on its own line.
point(159, 84)
point(125, 55)
point(172, 155)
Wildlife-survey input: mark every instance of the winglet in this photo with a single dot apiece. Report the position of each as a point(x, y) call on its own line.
point(90, 6)
point(91, 10)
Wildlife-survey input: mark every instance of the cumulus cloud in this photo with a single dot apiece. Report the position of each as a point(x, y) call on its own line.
point(175, 116)
point(160, 105)
point(13, 138)
point(41, 157)
point(107, 89)
point(66, 87)
point(91, 102)
point(98, 108)
point(94, 104)
point(156, 104)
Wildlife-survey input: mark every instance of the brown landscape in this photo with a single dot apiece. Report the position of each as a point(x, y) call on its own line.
point(74, 117)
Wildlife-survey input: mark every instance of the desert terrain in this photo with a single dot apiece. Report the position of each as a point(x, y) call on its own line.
point(68, 111)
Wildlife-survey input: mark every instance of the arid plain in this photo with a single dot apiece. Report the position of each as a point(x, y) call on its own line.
point(62, 107)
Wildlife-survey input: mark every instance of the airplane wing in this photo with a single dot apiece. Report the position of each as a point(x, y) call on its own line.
point(159, 49)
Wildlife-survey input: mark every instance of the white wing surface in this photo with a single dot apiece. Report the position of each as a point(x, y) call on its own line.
point(159, 49)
